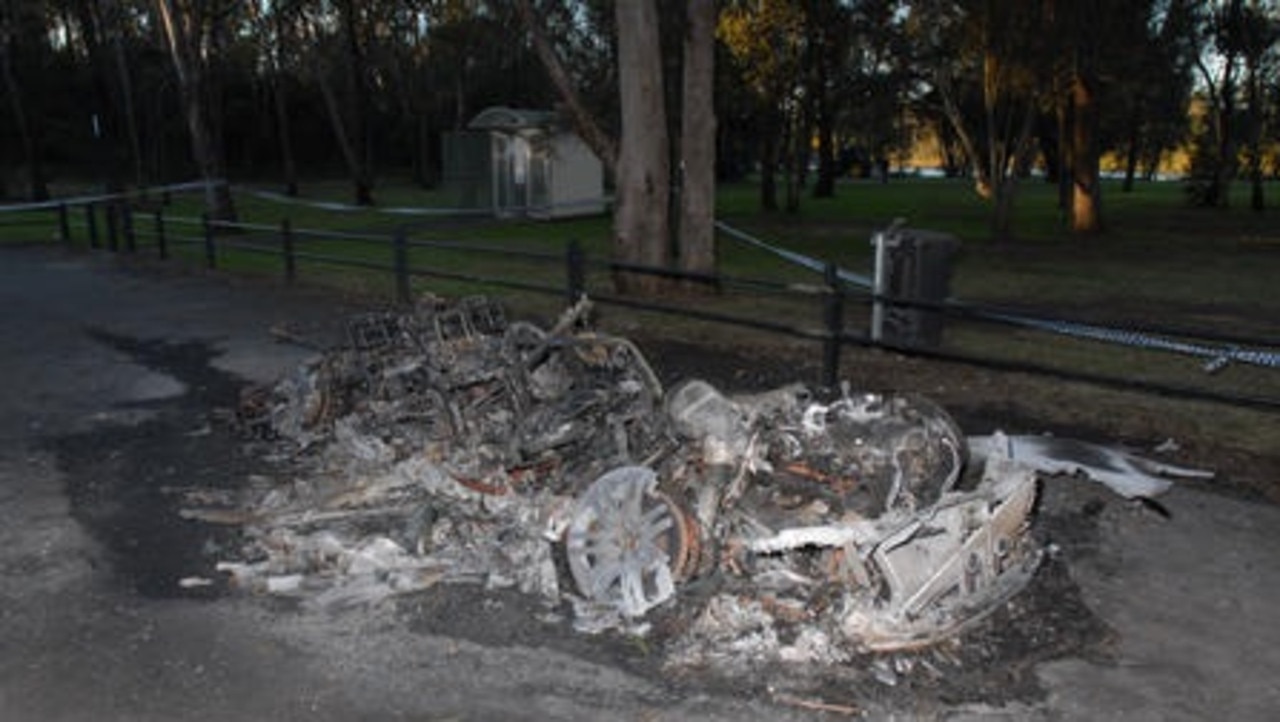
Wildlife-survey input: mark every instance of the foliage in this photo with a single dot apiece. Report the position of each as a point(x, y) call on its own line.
point(294, 89)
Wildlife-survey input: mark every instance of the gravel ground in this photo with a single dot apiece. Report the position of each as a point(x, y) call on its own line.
point(115, 379)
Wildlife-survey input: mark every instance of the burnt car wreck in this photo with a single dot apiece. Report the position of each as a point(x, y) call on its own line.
point(449, 444)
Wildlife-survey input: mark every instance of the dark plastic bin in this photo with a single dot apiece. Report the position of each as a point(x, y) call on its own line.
point(919, 267)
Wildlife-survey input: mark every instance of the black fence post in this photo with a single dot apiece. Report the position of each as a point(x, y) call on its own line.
point(575, 272)
point(210, 252)
point(833, 318)
point(286, 242)
point(91, 222)
point(64, 225)
point(400, 246)
point(130, 238)
point(162, 245)
point(111, 212)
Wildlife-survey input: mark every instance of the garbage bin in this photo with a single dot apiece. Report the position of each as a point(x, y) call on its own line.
point(912, 264)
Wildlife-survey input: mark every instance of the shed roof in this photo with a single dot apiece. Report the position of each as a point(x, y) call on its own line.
point(502, 118)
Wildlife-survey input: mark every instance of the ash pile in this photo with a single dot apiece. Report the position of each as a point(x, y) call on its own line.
point(449, 444)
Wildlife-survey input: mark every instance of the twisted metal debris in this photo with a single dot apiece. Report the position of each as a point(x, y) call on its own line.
point(451, 444)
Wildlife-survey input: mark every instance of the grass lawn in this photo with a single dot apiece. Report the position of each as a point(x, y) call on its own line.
point(1158, 263)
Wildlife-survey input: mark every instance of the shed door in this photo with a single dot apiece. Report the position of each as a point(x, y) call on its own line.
point(540, 181)
point(510, 175)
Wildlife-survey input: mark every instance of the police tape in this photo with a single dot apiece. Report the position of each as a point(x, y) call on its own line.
point(1218, 356)
point(103, 197)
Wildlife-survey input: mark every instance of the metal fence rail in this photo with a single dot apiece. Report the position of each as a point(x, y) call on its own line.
point(114, 223)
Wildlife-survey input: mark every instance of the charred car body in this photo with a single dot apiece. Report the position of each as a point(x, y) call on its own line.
point(448, 443)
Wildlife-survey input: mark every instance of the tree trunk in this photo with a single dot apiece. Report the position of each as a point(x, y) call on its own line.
point(284, 133)
point(641, 217)
point(769, 161)
point(824, 120)
point(825, 187)
point(791, 164)
point(1224, 169)
point(180, 29)
point(102, 104)
point(1066, 158)
point(583, 121)
point(26, 135)
point(1086, 190)
point(364, 193)
point(1134, 151)
point(284, 128)
point(1257, 200)
point(126, 95)
point(698, 141)
point(795, 153)
point(1004, 182)
point(1002, 214)
point(360, 142)
point(979, 168)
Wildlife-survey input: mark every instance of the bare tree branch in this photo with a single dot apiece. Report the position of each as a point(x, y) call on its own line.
point(604, 145)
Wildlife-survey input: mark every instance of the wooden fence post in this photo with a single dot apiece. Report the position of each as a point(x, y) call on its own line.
point(400, 246)
point(286, 242)
point(833, 318)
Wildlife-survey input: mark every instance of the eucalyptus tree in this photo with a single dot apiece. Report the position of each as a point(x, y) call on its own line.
point(765, 39)
point(1237, 64)
point(1079, 28)
point(195, 33)
point(988, 62)
point(578, 48)
point(1122, 79)
point(1259, 38)
point(697, 249)
point(90, 55)
point(640, 227)
point(1153, 76)
point(828, 36)
point(275, 26)
point(22, 47)
point(407, 54)
point(664, 140)
point(1214, 163)
point(337, 36)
